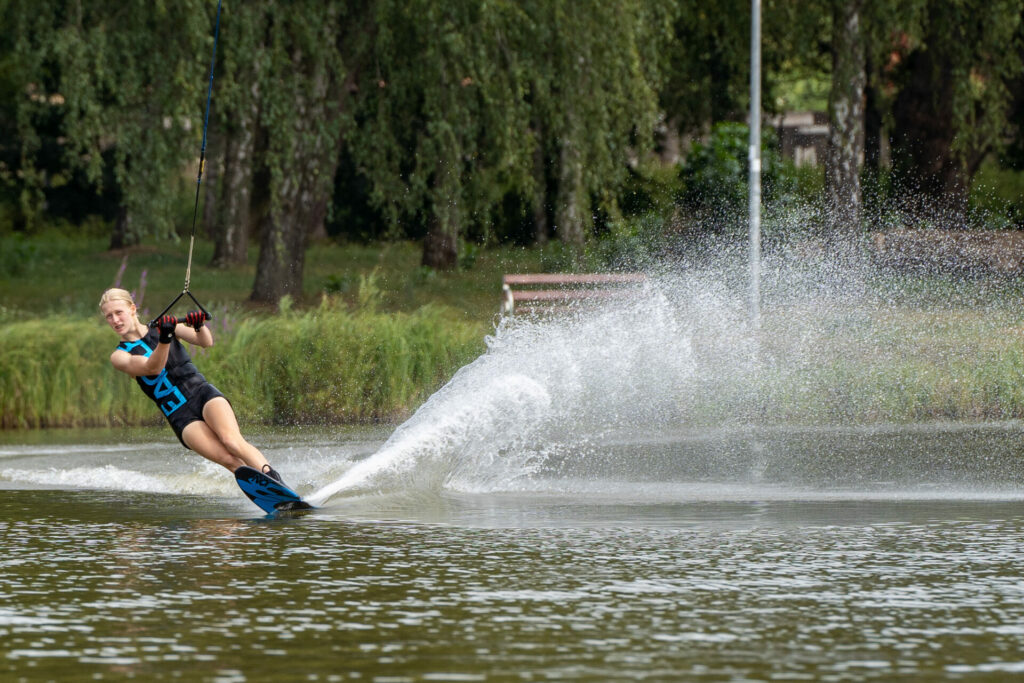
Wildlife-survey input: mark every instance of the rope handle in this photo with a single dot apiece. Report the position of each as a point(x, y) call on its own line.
point(153, 322)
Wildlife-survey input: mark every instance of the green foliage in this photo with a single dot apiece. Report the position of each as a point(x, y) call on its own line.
point(326, 365)
point(558, 257)
point(55, 372)
point(801, 90)
point(334, 366)
point(444, 122)
point(596, 100)
point(632, 243)
point(650, 187)
point(438, 112)
point(715, 177)
point(982, 41)
point(998, 194)
point(468, 254)
point(708, 64)
point(17, 255)
point(464, 93)
point(338, 284)
point(97, 93)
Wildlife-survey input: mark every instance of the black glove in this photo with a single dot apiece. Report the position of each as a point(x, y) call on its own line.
point(167, 323)
point(195, 319)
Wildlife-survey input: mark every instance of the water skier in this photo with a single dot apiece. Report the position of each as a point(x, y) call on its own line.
point(199, 414)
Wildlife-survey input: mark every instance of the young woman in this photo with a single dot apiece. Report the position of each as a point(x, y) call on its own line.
point(198, 413)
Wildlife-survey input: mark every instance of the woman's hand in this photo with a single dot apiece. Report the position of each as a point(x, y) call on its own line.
point(167, 323)
point(195, 319)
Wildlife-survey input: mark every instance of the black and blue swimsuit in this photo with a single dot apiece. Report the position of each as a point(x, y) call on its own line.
point(180, 390)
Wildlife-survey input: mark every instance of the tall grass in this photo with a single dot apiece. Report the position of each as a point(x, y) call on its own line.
point(56, 372)
point(326, 365)
point(905, 366)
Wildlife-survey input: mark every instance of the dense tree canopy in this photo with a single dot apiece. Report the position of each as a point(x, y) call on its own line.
point(448, 120)
point(97, 99)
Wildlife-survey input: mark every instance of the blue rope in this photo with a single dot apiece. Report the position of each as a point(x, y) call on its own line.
point(199, 177)
point(209, 90)
point(202, 150)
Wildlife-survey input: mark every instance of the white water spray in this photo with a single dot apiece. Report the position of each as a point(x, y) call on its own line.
point(548, 390)
point(675, 385)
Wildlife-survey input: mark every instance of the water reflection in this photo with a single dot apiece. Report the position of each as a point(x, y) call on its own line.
point(816, 589)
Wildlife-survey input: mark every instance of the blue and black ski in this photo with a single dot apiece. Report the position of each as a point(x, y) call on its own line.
point(269, 495)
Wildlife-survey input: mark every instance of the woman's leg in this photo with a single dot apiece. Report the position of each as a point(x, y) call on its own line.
point(220, 419)
point(199, 437)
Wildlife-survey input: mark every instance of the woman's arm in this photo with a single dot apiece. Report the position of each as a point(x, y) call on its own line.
point(201, 337)
point(139, 366)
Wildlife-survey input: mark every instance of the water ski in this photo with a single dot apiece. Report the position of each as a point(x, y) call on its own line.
point(269, 495)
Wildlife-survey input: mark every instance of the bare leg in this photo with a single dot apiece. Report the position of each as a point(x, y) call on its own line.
point(199, 437)
point(220, 419)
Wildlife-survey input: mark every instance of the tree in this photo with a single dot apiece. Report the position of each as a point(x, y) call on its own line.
point(953, 99)
point(237, 112)
point(300, 113)
point(475, 101)
point(92, 69)
point(708, 65)
point(846, 119)
point(441, 121)
point(595, 71)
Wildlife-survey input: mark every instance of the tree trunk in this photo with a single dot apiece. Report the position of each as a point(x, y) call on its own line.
point(846, 118)
point(570, 223)
point(283, 243)
point(441, 244)
point(540, 193)
point(211, 179)
point(123, 234)
point(231, 242)
point(300, 192)
point(873, 124)
point(303, 162)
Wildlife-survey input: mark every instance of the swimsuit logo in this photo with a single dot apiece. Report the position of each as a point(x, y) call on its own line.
point(162, 386)
point(165, 388)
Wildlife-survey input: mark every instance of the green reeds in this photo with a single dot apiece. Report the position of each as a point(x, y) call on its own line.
point(327, 365)
point(56, 372)
point(333, 366)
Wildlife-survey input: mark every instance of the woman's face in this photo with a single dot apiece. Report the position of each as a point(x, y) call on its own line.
point(120, 315)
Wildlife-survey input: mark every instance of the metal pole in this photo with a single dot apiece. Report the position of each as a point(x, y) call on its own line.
point(755, 164)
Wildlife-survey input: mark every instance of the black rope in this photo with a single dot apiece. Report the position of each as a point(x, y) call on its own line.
point(199, 180)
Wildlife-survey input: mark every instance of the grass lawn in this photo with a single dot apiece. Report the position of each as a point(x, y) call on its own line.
point(60, 274)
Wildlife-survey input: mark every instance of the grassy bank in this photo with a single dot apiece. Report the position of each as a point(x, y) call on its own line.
point(372, 335)
point(897, 364)
point(59, 274)
point(333, 364)
point(922, 347)
point(323, 365)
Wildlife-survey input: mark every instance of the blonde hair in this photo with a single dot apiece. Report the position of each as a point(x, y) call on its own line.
point(115, 294)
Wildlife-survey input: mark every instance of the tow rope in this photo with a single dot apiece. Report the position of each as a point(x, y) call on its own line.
point(199, 181)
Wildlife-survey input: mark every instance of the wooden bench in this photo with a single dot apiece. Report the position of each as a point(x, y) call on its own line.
point(553, 292)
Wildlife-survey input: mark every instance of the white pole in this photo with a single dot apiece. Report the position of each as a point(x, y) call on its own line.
point(755, 163)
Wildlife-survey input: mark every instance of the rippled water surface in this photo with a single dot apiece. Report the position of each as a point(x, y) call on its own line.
point(759, 575)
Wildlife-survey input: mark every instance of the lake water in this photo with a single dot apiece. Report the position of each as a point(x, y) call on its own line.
point(786, 554)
